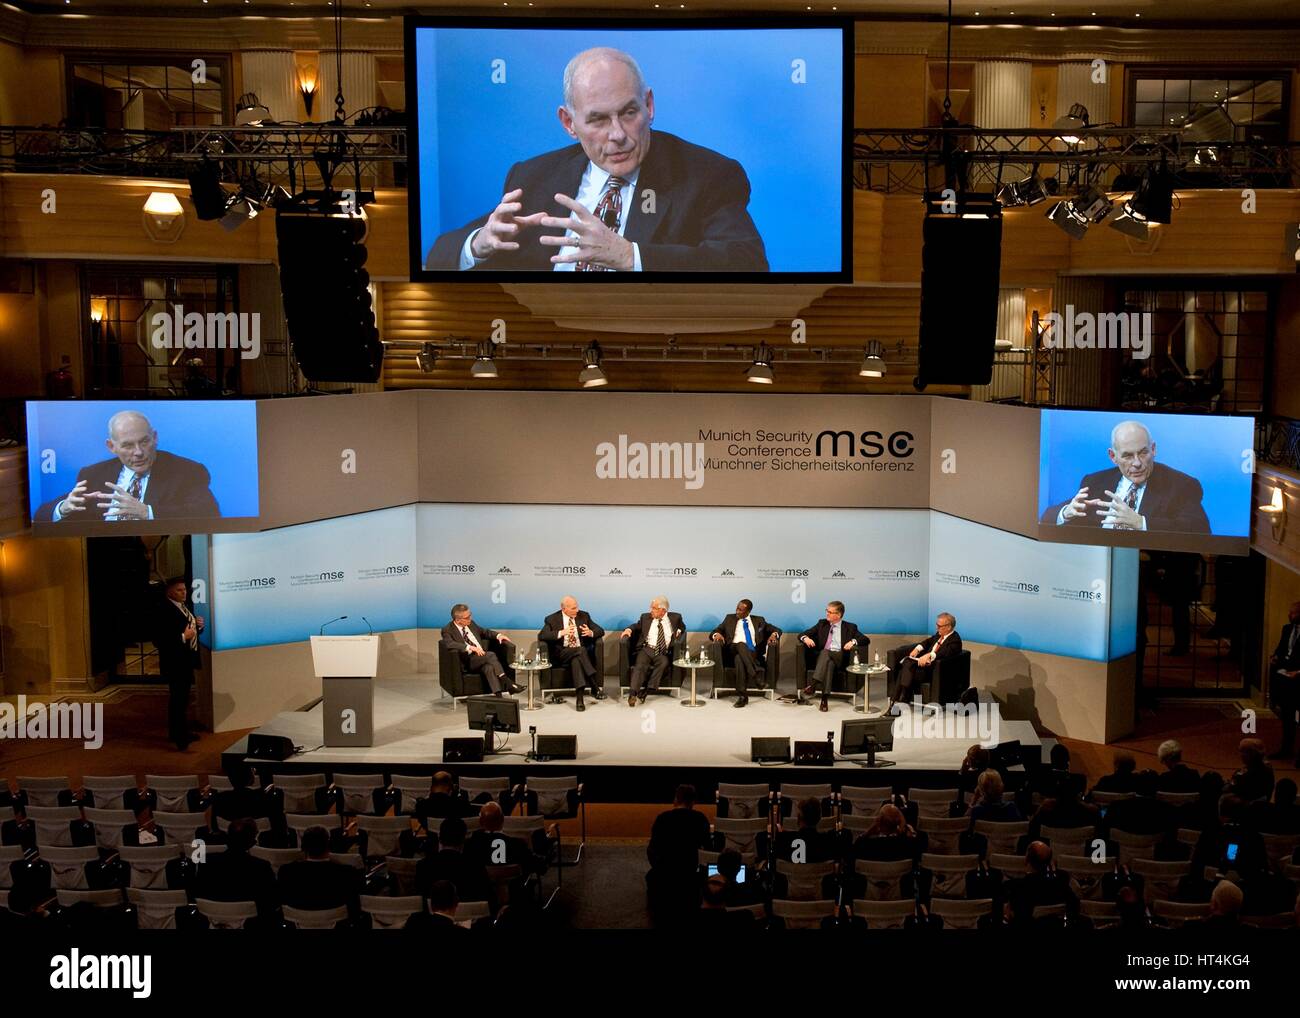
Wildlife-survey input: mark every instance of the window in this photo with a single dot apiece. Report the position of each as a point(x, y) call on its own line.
point(148, 93)
point(1242, 105)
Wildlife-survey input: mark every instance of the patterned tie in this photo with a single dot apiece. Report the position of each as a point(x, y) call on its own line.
point(571, 633)
point(193, 643)
point(135, 486)
point(749, 636)
point(660, 646)
point(609, 210)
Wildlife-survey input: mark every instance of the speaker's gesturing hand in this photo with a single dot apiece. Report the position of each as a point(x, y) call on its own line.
point(1078, 506)
point(74, 501)
point(503, 225)
point(593, 241)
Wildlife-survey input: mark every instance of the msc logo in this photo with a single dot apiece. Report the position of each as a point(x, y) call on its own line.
point(1089, 595)
point(399, 570)
point(262, 581)
point(685, 571)
point(870, 444)
point(907, 574)
point(838, 574)
point(796, 572)
point(452, 568)
point(1028, 588)
point(974, 581)
point(573, 570)
point(335, 574)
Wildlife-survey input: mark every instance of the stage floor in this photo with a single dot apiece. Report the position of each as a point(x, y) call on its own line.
point(412, 717)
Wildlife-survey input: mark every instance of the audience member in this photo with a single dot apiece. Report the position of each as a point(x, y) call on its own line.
point(440, 913)
point(145, 831)
point(241, 800)
point(491, 846)
point(1121, 778)
point(713, 913)
point(1202, 814)
point(1281, 816)
point(450, 863)
point(988, 803)
point(1253, 781)
point(1230, 846)
point(1041, 885)
point(1225, 906)
point(736, 894)
point(1177, 776)
point(1144, 813)
point(235, 875)
point(442, 802)
point(890, 838)
point(678, 835)
point(1063, 808)
point(19, 831)
point(319, 882)
point(807, 843)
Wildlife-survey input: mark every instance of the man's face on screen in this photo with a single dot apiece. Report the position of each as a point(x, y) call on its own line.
point(657, 611)
point(135, 443)
point(609, 119)
point(1134, 453)
point(569, 607)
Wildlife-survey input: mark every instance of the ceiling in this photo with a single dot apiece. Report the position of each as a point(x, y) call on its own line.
point(1135, 12)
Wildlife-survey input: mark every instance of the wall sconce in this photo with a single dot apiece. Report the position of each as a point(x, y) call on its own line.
point(164, 218)
point(308, 80)
point(1276, 512)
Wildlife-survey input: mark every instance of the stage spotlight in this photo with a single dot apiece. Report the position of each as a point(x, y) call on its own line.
point(1072, 124)
point(1029, 191)
point(249, 111)
point(206, 193)
point(760, 371)
point(427, 358)
point(1152, 202)
point(592, 375)
point(239, 210)
point(873, 364)
point(1075, 215)
point(484, 366)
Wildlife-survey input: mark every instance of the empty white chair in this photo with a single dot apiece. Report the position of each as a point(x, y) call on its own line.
point(149, 863)
point(474, 787)
point(1007, 863)
point(301, 822)
point(173, 792)
point(885, 915)
point(744, 802)
point(277, 857)
point(358, 791)
point(299, 791)
point(1002, 837)
point(961, 914)
point(866, 801)
point(108, 825)
point(9, 854)
point(802, 915)
point(221, 783)
point(1102, 913)
point(1085, 874)
point(740, 834)
point(100, 899)
point(469, 912)
point(1048, 911)
point(413, 787)
point(402, 871)
point(68, 866)
point(42, 791)
point(804, 880)
point(315, 918)
point(52, 830)
point(383, 833)
point(1178, 798)
point(226, 915)
point(390, 913)
point(109, 790)
point(1160, 879)
point(1129, 847)
point(1106, 798)
point(180, 827)
point(1068, 840)
point(883, 879)
point(1175, 913)
point(1280, 848)
point(943, 834)
point(857, 823)
point(156, 909)
point(934, 802)
point(948, 873)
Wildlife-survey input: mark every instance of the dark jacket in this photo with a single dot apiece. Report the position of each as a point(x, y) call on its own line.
point(759, 626)
point(1286, 662)
point(1179, 778)
point(468, 875)
point(178, 489)
point(320, 884)
point(848, 632)
point(641, 630)
point(452, 640)
point(176, 659)
point(237, 876)
point(676, 838)
point(552, 633)
point(1171, 502)
point(700, 220)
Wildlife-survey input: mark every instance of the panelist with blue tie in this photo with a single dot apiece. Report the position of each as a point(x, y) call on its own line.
point(745, 640)
point(829, 639)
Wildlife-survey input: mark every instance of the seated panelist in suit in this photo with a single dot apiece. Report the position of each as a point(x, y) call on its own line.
point(1137, 493)
point(571, 636)
point(593, 192)
point(651, 647)
point(745, 640)
point(831, 638)
point(917, 666)
point(138, 482)
point(474, 644)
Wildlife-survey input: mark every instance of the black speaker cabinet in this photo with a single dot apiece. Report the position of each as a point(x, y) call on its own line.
point(270, 747)
point(770, 750)
point(557, 747)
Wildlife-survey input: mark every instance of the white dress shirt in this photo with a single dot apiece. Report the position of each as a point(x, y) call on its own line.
point(592, 187)
point(740, 630)
point(652, 635)
point(123, 479)
point(835, 637)
point(467, 635)
point(572, 635)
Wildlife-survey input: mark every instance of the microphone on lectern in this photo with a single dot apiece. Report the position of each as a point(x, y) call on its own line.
point(368, 625)
point(330, 623)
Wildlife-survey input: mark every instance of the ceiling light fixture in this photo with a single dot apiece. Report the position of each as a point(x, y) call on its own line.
point(760, 371)
point(484, 366)
point(873, 363)
point(592, 375)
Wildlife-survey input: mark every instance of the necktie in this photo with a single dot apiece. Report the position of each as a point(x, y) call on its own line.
point(609, 210)
point(193, 643)
point(134, 487)
point(749, 636)
point(660, 646)
point(1295, 631)
point(571, 633)
point(830, 637)
point(468, 637)
point(1131, 497)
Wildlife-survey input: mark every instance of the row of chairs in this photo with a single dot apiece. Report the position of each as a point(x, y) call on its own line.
point(171, 793)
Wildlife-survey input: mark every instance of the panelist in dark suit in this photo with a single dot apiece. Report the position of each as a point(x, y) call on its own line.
point(1136, 494)
point(830, 638)
point(176, 635)
point(651, 647)
point(628, 199)
point(745, 639)
point(571, 635)
point(1284, 678)
point(917, 665)
point(474, 645)
point(139, 481)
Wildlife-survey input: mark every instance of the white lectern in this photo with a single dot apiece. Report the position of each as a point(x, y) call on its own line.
point(346, 666)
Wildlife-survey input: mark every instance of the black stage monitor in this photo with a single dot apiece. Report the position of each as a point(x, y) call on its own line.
point(462, 750)
point(270, 747)
point(492, 714)
point(814, 754)
point(556, 747)
point(867, 735)
point(768, 749)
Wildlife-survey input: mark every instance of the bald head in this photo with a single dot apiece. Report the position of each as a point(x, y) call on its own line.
point(569, 605)
point(490, 817)
point(1038, 857)
point(608, 109)
point(132, 439)
point(1132, 450)
point(596, 62)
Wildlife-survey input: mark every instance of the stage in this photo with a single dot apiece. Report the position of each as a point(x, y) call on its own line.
point(624, 754)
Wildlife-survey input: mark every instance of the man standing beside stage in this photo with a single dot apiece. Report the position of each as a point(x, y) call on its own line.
point(745, 640)
point(571, 635)
point(916, 667)
point(831, 638)
point(651, 647)
point(474, 645)
point(1284, 681)
point(176, 635)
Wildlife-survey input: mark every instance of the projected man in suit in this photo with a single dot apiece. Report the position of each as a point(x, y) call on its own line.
point(1137, 493)
point(176, 635)
point(571, 635)
point(745, 640)
point(916, 668)
point(140, 481)
point(830, 639)
point(474, 645)
point(625, 198)
point(1284, 666)
point(651, 647)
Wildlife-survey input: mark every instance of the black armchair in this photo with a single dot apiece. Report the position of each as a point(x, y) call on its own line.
point(457, 683)
point(676, 680)
point(949, 677)
point(558, 677)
